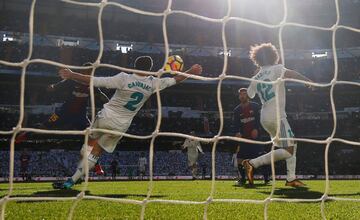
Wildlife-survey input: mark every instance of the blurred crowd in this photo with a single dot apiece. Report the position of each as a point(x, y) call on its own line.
point(61, 163)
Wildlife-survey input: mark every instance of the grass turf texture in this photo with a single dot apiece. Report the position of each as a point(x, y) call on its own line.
point(182, 190)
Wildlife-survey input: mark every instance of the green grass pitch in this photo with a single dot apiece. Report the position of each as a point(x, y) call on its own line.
point(183, 190)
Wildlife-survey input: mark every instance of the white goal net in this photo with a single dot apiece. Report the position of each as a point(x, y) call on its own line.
point(213, 140)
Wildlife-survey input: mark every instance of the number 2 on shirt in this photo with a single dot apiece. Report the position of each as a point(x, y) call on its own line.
point(137, 97)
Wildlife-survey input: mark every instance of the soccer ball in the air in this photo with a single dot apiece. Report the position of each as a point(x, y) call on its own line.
point(174, 63)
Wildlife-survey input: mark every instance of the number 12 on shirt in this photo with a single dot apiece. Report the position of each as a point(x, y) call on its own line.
point(266, 91)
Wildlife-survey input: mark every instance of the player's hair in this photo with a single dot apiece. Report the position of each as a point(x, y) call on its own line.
point(143, 63)
point(242, 90)
point(264, 54)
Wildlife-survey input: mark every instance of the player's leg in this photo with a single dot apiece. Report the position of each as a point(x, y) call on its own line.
point(113, 174)
point(81, 122)
point(265, 170)
point(142, 172)
point(291, 171)
point(258, 150)
point(92, 156)
point(241, 170)
point(99, 142)
point(192, 164)
point(290, 162)
point(284, 152)
point(241, 175)
point(194, 171)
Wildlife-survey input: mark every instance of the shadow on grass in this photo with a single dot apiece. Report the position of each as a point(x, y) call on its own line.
point(254, 186)
point(74, 193)
point(50, 193)
point(127, 195)
point(295, 193)
point(344, 194)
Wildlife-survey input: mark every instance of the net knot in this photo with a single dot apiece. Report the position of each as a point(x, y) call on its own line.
point(4, 199)
point(329, 140)
point(216, 138)
point(324, 197)
point(96, 64)
point(282, 23)
point(334, 27)
point(167, 11)
point(25, 62)
point(333, 81)
point(209, 200)
point(88, 131)
point(80, 195)
point(155, 133)
point(225, 19)
point(17, 128)
point(267, 200)
point(160, 72)
point(145, 201)
point(222, 76)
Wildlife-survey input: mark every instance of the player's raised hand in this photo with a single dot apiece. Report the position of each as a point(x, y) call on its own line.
point(65, 73)
point(196, 69)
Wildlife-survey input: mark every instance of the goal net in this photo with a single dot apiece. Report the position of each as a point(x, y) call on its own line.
point(223, 21)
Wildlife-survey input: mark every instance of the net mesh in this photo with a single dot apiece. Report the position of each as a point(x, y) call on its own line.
point(214, 140)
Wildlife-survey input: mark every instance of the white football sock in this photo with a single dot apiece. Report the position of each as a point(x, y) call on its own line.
point(279, 154)
point(80, 171)
point(291, 166)
point(193, 171)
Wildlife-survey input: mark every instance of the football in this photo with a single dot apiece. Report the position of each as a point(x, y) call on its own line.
point(174, 63)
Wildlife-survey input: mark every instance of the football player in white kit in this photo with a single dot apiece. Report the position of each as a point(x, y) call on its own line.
point(132, 90)
point(193, 148)
point(266, 58)
point(142, 162)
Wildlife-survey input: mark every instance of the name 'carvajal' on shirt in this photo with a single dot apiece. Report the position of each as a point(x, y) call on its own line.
point(139, 84)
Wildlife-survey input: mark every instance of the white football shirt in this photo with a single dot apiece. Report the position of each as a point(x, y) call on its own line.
point(131, 93)
point(142, 162)
point(193, 147)
point(267, 92)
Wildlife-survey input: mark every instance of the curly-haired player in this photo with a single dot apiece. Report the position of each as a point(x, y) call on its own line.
point(266, 58)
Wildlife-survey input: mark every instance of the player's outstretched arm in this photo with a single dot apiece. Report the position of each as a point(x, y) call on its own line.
point(292, 74)
point(78, 77)
point(196, 69)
